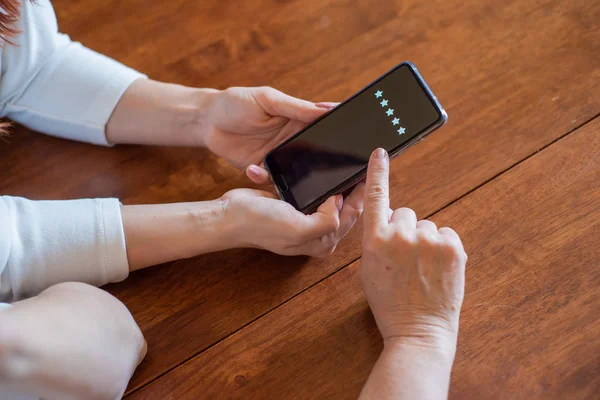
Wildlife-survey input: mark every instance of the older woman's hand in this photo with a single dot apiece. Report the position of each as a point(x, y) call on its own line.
point(412, 272)
point(413, 276)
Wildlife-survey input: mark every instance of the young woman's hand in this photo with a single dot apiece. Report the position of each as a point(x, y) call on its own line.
point(239, 124)
point(72, 341)
point(412, 273)
point(243, 124)
point(156, 234)
point(261, 220)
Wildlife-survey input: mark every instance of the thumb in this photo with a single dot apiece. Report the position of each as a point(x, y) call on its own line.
point(279, 104)
point(257, 174)
point(325, 220)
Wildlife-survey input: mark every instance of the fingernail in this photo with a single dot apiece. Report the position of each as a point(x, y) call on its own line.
point(339, 202)
point(379, 153)
point(253, 169)
point(326, 105)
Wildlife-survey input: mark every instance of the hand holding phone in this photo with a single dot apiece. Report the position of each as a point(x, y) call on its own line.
point(331, 155)
point(258, 219)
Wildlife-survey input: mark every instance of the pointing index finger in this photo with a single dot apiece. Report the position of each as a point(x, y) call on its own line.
point(377, 198)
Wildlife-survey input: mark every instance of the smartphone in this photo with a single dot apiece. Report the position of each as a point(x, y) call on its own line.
point(331, 155)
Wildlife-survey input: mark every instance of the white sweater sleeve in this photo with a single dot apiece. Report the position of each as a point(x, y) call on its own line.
point(46, 242)
point(56, 86)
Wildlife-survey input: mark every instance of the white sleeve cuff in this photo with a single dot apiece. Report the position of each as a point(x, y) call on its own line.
point(116, 265)
point(60, 241)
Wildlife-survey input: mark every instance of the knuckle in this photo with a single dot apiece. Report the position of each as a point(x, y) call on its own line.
point(327, 228)
point(377, 190)
point(449, 232)
point(407, 211)
point(232, 91)
point(267, 90)
point(404, 239)
point(261, 94)
point(425, 237)
point(426, 222)
point(451, 249)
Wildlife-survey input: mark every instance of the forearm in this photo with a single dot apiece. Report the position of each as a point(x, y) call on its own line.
point(409, 371)
point(156, 113)
point(155, 234)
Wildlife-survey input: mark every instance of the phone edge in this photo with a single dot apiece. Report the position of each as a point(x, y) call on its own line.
point(361, 174)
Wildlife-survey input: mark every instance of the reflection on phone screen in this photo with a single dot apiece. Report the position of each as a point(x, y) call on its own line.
point(387, 114)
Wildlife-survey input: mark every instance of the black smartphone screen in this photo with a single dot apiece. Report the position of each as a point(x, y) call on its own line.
point(388, 113)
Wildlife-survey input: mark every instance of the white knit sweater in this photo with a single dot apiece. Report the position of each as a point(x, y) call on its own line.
point(55, 86)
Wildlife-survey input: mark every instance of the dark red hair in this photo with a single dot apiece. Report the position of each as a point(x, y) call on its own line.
point(9, 16)
point(10, 11)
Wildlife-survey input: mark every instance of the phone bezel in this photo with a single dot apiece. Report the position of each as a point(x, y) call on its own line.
point(357, 177)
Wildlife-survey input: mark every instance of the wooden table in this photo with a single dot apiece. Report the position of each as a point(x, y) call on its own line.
point(516, 172)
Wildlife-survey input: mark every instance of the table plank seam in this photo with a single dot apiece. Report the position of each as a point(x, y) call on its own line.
point(507, 169)
point(467, 193)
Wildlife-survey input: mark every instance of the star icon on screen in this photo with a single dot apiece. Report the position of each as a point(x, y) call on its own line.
point(383, 103)
point(378, 93)
point(401, 131)
point(395, 121)
point(390, 111)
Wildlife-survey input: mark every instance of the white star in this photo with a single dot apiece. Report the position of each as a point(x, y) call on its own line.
point(395, 121)
point(383, 103)
point(401, 131)
point(378, 93)
point(390, 111)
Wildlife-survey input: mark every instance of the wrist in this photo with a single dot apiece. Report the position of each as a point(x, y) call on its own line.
point(193, 120)
point(420, 328)
point(242, 220)
point(157, 113)
point(234, 223)
point(208, 220)
point(409, 369)
point(188, 110)
point(436, 361)
point(155, 234)
point(439, 348)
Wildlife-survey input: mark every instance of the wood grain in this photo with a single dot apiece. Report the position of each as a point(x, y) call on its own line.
point(529, 324)
point(514, 76)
